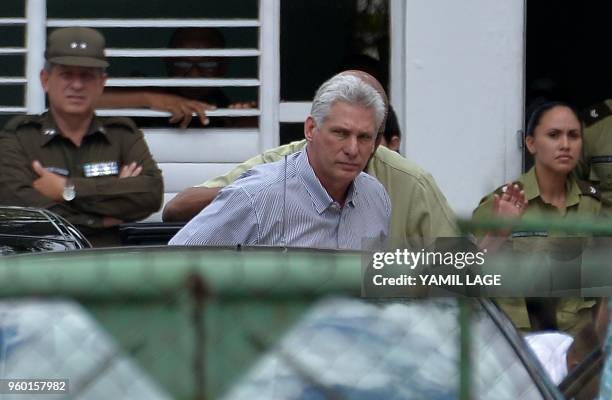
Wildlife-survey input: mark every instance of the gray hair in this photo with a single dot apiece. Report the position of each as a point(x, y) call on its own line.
point(348, 89)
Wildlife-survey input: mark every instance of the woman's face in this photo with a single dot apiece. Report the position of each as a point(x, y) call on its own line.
point(557, 140)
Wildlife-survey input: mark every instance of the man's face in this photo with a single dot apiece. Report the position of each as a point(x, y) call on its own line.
point(340, 148)
point(73, 90)
point(196, 67)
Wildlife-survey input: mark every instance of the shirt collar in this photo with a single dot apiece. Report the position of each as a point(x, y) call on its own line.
point(532, 190)
point(320, 198)
point(530, 185)
point(573, 191)
point(49, 128)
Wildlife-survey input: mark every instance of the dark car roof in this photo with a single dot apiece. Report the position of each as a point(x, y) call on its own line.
point(28, 230)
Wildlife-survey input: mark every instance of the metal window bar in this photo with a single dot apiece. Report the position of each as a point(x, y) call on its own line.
point(269, 73)
point(9, 51)
point(140, 112)
point(12, 50)
point(12, 21)
point(125, 52)
point(154, 23)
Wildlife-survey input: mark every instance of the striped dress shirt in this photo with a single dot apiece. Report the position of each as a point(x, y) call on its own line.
point(284, 204)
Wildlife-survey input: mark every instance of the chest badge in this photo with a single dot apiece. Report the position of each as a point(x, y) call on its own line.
point(92, 170)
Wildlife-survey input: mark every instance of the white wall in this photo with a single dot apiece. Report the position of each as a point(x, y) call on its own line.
point(463, 99)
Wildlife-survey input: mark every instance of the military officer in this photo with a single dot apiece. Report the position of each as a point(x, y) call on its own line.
point(596, 162)
point(554, 137)
point(95, 172)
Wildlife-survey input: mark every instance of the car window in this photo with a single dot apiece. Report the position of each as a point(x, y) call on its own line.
point(355, 349)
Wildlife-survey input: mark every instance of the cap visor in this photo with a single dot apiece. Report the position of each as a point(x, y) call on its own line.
point(79, 61)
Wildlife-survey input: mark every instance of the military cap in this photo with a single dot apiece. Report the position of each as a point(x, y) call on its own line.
point(80, 46)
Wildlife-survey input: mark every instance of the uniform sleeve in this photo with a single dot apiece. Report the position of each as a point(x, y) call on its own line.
point(427, 216)
point(442, 221)
point(128, 199)
point(483, 212)
point(228, 221)
point(16, 177)
point(263, 158)
point(583, 168)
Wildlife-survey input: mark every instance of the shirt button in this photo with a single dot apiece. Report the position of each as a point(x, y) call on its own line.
point(90, 221)
point(335, 206)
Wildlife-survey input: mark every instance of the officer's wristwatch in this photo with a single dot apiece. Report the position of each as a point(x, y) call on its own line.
point(69, 192)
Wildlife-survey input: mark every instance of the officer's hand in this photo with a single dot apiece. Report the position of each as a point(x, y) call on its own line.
point(48, 184)
point(130, 170)
point(181, 108)
point(511, 203)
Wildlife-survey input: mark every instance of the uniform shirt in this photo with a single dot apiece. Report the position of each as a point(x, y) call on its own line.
point(284, 203)
point(581, 200)
point(596, 161)
point(108, 145)
point(420, 212)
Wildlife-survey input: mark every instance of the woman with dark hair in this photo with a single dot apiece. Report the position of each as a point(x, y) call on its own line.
point(548, 189)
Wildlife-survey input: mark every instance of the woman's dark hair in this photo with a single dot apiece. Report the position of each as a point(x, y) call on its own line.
point(536, 110)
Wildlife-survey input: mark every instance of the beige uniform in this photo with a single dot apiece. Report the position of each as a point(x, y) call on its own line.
point(582, 199)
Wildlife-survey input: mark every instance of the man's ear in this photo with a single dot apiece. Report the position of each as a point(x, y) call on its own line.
point(395, 143)
point(44, 78)
point(309, 128)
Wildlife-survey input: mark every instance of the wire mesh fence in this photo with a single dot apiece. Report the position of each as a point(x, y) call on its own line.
point(191, 319)
point(187, 323)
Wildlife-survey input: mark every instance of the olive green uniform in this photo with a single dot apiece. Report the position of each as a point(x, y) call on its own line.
point(582, 199)
point(419, 210)
point(93, 168)
point(596, 161)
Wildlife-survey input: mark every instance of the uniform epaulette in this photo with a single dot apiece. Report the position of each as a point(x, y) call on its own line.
point(123, 122)
point(589, 189)
point(595, 113)
point(502, 189)
point(22, 120)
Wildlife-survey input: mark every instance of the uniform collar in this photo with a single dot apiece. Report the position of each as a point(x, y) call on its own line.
point(532, 189)
point(49, 128)
point(530, 185)
point(320, 198)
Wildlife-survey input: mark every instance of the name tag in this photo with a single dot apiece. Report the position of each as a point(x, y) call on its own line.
point(529, 234)
point(601, 159)
point(93, 170)
point(59, 171)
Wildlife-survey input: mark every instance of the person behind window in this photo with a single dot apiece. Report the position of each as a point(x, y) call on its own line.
point(182, 102)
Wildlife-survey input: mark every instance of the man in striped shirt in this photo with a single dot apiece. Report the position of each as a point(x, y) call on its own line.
point(318, 197)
